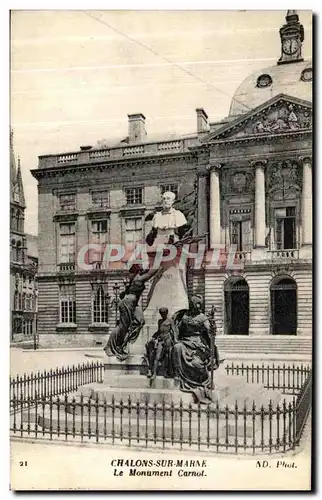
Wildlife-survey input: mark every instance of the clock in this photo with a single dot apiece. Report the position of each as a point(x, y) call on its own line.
point(290, 46)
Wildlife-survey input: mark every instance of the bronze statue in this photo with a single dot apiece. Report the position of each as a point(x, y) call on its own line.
point(193, 353)
point(158, 349)
point(130, 312)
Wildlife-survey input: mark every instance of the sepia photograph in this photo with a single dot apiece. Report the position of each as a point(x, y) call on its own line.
point(160, 250)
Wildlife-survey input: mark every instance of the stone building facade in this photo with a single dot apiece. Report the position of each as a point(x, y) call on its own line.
point(23, 261)
point(253, 173)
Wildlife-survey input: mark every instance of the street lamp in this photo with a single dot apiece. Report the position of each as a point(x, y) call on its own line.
point(116, 290)
point(115, 301)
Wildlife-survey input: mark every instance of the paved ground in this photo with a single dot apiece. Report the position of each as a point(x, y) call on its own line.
point(30, 361)
point(26, 361)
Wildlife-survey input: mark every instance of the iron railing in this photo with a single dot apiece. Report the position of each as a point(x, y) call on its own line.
point(286, 378)
point(54, 382)
point(211, 427)
point(42, 408)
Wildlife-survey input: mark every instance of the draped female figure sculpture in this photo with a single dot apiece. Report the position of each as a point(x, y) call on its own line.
point(131, 319)
point(191, 354)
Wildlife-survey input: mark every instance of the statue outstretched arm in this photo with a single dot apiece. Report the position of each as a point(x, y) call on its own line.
point(149, 274)
point(151, 236)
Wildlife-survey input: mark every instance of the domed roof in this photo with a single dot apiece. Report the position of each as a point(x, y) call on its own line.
point(294, 79)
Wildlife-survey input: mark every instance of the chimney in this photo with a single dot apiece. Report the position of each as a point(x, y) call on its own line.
point(137, 130)
point(202, 121)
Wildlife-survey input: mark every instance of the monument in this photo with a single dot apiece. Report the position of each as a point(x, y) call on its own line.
point(169, 288)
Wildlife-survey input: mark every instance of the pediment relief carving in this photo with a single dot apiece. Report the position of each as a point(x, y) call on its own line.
point(278, 116)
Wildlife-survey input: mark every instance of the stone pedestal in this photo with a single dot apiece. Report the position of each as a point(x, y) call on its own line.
point(169, 291)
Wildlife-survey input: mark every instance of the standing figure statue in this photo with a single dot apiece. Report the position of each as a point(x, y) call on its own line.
point(192, 352)
point(159, 348)
point(130, 313)
point(169, 288)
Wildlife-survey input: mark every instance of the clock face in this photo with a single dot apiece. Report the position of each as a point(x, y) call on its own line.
point(290, 46)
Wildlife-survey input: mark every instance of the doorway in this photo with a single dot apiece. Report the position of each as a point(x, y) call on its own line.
point(284, 307)
point(237, 307)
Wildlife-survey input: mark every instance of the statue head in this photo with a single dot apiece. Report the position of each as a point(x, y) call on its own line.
point(168, 199)
point(136, 269)
point(196, 303)
point(163, 311)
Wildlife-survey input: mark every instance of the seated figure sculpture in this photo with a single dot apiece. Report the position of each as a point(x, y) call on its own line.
point(191, 354)
point(159, 348)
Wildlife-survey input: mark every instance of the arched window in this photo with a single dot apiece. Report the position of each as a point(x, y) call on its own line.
point(13, 225)
point(12, 250)
point(283, 292)
point(100, 306)
point(16, 301)
point(18, 252)
point(236, 306)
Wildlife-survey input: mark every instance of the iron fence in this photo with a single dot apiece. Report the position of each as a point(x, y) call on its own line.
point(287, 378)
point(210, 427)
point(54, 382)
point(100, 418)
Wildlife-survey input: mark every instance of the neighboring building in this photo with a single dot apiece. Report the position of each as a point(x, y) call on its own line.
point(23, 261)
point(253, 171)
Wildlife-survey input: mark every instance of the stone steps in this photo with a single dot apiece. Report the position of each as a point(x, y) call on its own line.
point(263, 345)
point(156, 428)
point(105, 393)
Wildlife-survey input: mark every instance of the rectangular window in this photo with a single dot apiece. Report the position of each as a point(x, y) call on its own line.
point(99, 237)
point(67, 202)
point(241, 232)
point(134, 196)
point(67, 243)
point(174, 188)
point(285, 228)
point(100, 199)
point(67, 304)
point(133, 230)
point(100, 306)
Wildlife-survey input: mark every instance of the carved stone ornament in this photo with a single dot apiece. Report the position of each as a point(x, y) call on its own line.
point(285, 119)
point(281, 117)
point(239, 182)
point(284, 180)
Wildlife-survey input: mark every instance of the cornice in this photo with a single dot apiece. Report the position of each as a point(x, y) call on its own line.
point(188, 156)
point(97, 213)
point(260, 138)
point(306, 159)
point(66, 216)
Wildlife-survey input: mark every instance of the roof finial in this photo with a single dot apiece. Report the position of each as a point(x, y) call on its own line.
point(292, 16)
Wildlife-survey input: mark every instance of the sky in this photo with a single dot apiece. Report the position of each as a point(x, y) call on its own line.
point(74, 79)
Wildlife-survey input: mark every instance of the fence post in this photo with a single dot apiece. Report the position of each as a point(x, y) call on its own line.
point(129, 410)
point(181, 429)
point(163, 423)
point(262, 426)
point(236, 427)
point(270, 417)
point(254, 426)
point(97, 407)
point(58, 415)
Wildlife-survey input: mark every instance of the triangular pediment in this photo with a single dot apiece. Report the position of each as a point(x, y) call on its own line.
point(282, 114)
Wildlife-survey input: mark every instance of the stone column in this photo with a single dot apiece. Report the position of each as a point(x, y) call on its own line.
point(214, 212)
point(307, 201)
point(260, 203)
point(202, 213)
